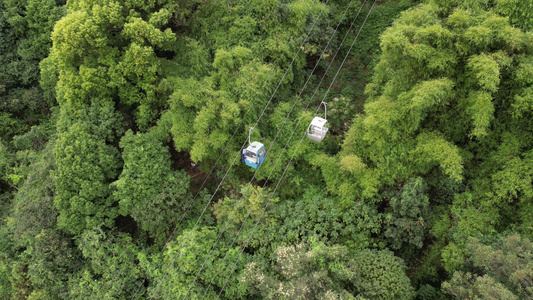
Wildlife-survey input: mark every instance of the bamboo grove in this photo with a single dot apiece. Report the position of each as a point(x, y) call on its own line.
point(120, 121)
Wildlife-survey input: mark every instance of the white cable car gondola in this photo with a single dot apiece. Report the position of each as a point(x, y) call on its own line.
point(253, 155)
point(318, 128)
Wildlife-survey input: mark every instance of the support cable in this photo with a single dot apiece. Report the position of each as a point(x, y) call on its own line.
point(233, 162)
point(292, 157)
point(279, 131)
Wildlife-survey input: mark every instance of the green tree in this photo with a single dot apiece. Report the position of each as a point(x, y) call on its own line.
point(51, 260)
point(504, 268)
point(450, 97)
point(189, 258)
point(417, 89)
point(407, 221)
point(378, 272)
point(329, 272)
point(48, 256)
point(25, 33)
point(34, 202)
point(148, 189)
point(519, 12)
point(239, 76)
point(4, 160)
point(466, 286)
point(315, 216)
point(304, 272)
point(85, 167)
point(247, 207)
point(107, 50)
point(203, 112)
point(112, 270)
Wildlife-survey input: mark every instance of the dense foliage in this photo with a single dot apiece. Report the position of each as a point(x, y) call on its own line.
point(122, 122)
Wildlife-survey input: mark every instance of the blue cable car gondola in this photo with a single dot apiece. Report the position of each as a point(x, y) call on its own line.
point(253, 155)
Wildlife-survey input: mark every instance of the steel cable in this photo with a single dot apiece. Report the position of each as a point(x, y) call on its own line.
point(292, 157)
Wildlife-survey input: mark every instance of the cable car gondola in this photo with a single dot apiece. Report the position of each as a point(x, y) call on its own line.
point(318, 128)
point(253, 155)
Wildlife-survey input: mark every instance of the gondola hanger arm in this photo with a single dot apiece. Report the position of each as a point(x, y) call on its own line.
point(250, 135)
point(325, 109)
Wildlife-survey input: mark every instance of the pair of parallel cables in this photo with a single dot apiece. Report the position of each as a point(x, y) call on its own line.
point(288, 164)
point(294, 153)
point(190, 204)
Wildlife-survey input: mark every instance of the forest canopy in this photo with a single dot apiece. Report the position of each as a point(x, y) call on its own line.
point(122, 127)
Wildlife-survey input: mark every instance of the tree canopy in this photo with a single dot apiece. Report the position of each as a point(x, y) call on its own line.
point(122, 124)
